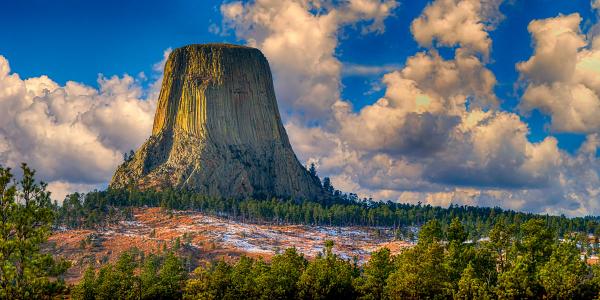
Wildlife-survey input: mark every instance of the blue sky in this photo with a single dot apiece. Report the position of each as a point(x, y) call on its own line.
point(78, 40)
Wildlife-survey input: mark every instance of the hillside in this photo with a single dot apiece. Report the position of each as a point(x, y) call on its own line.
point(205, 238)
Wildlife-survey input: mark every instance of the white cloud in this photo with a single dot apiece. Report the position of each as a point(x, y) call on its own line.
point(437, 136)
point(60, 189)
point(562, 77)
point(457, 23)
point(299, 38)
point(423, 104)
point(351, 69)
point(73, 135)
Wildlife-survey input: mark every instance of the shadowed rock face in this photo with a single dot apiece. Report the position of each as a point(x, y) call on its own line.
point(217, 130)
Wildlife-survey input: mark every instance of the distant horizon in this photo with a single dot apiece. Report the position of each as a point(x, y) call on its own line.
point(478, 103)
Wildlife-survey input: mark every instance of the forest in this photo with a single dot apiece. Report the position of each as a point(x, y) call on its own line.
point(523, 256)
point(101, 208)
point(525, 262)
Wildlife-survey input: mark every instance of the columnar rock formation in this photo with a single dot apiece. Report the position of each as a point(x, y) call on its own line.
point(217, 130)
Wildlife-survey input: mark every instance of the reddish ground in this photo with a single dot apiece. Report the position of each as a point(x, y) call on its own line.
point(205, 238)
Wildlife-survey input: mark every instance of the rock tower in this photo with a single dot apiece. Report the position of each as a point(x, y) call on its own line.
point(217, 130)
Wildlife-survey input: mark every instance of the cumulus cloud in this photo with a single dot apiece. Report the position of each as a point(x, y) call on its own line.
point(423, 105)
point(457, 23)
point(299, 38)
point(437, 135)
point(495, 152)
point(435, 117)
point(73, 135)
point(562, 77)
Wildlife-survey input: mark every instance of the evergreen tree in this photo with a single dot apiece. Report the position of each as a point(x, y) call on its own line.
point(312, 170)
point(243, 278)
point(327, 186)
point(375, 274)
point(501, 238)
point(458, 252)
point(26, 216)
point(86, 288)
point(420, 272)
point(280, 281)
point(327, 277)
point(564, 273)
point(149, 286)
point(470, 287)
point(431, 232)
point(171, 278)
point(518, 281)
point(211, 283)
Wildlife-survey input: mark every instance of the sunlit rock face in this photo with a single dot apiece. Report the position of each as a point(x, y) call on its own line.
point(217, 130)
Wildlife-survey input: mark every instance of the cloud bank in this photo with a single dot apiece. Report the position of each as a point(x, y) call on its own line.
point(437, 135)
point(73, 135)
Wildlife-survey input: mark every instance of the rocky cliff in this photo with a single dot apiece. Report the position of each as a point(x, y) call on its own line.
point(217, 130)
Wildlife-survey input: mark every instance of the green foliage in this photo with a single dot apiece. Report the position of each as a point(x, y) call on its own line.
point(287, 276)
point(537, 265)
point(420, 273)
point(171, 278)
point(26, 216)
point(471, 286)
point(456, 232)
point(431, 232)
point(160, 277)
point(102, 208)
point(375, 273)
point(458, 252)
point(502, 236)
point(327, 277)
point(518, 281)
point(213, 282)
point(537, 241)
point(279, 281)
point(562, 275)
point(523, 258)
point(117, 281)
point(86, 289)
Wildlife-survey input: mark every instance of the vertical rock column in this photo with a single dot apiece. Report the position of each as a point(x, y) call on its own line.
point(218, 131)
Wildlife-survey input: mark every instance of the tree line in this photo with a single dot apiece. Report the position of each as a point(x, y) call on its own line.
point(102, 208)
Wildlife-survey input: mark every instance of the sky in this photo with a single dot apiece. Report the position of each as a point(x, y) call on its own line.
point(476, 102)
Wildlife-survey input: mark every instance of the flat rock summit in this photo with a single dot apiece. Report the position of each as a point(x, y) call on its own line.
point(217, 130)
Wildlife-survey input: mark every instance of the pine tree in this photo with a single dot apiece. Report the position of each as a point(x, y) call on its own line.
point(312, 170)
point(280, 281)
point(377, 270)
point(327, 277)
point(26, 216)
point(172, 277)
point(564, 272)
point(472, 287)
point(86, 288)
